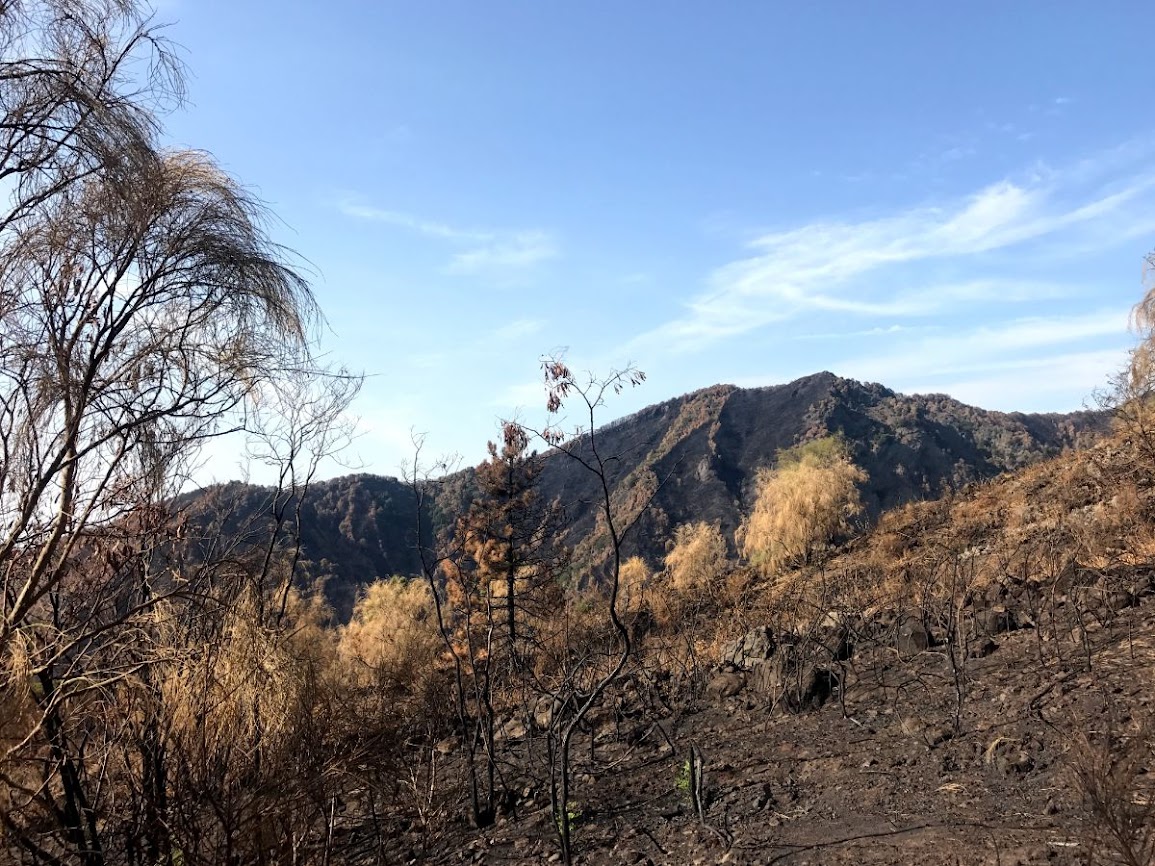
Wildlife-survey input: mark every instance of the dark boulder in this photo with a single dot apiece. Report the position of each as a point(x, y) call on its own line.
point(756, 646)
point(912, 637)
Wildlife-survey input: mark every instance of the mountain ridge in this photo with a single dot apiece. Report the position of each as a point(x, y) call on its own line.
point(691, 458)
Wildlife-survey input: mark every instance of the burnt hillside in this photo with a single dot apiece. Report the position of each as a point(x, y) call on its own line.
point(697, 456)
point(700, 452)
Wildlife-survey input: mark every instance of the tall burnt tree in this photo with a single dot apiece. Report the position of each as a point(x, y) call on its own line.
point(144, 310)
point(502, 579)
point(510, 537)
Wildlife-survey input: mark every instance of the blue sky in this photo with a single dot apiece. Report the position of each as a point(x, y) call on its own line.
point(940, 197)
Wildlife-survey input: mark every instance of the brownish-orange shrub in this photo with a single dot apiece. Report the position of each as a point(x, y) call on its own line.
point(697, 560)
point(801, 505)
point(392, 636)
point(634, 585)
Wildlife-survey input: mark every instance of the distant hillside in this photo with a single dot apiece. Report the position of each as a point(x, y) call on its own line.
point(697, 456)
point(353, 530)
point(700, 452)
point(967, 682)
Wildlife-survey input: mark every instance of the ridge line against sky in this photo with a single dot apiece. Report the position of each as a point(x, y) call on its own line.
point(937, 199)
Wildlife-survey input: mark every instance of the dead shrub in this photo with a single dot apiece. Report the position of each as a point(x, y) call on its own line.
point(634, 586)
point(392, 640)
point(1113, 776)
point(801, 505)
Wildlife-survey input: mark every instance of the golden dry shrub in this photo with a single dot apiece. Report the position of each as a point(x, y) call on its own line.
point(633, 585)
point(696, 562)
point(392, 636)
point(697, 559)
point(1132, 392)
point(18, 688)
point(18, 720)
point(253, 681)
point(257, 719)
point(801, 504)
point(1142, 367)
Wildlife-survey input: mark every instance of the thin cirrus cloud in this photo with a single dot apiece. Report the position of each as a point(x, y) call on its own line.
point(1027, 364)
point(517, 396)
point(1040, 363)
point(1033, 384)
point(512, 252)
point(481, 251)
point(839, 265)
point(398, 219)
point(1020, 343)
point(518, 329)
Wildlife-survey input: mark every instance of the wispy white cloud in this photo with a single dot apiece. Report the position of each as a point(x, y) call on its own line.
point(923, 353)
point(879, 331)
point(1041, 363)
point(1031, 384)
point(398, 219)
point(1018, 344)
point(953, 154)
point(1054, 107)
point(518, 329)
point(947, 149)
point(427, 360)
point(521, 395)
point(486, 251)
point(516, 251)
point(638, 278)
point(825, 266)
point(387, 429)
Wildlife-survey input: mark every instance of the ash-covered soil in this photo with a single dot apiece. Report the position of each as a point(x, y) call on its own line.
point(883, 776)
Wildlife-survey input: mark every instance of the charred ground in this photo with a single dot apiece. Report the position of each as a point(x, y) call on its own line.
point(951, 688)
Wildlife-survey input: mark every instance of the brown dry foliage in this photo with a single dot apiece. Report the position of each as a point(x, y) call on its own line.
point(392, 640)
point(697, 561)
point(801, 505)
point(252, 683)
point(1068, 521)
point(1131, 395)
point(694, 576)
point(634, 585)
